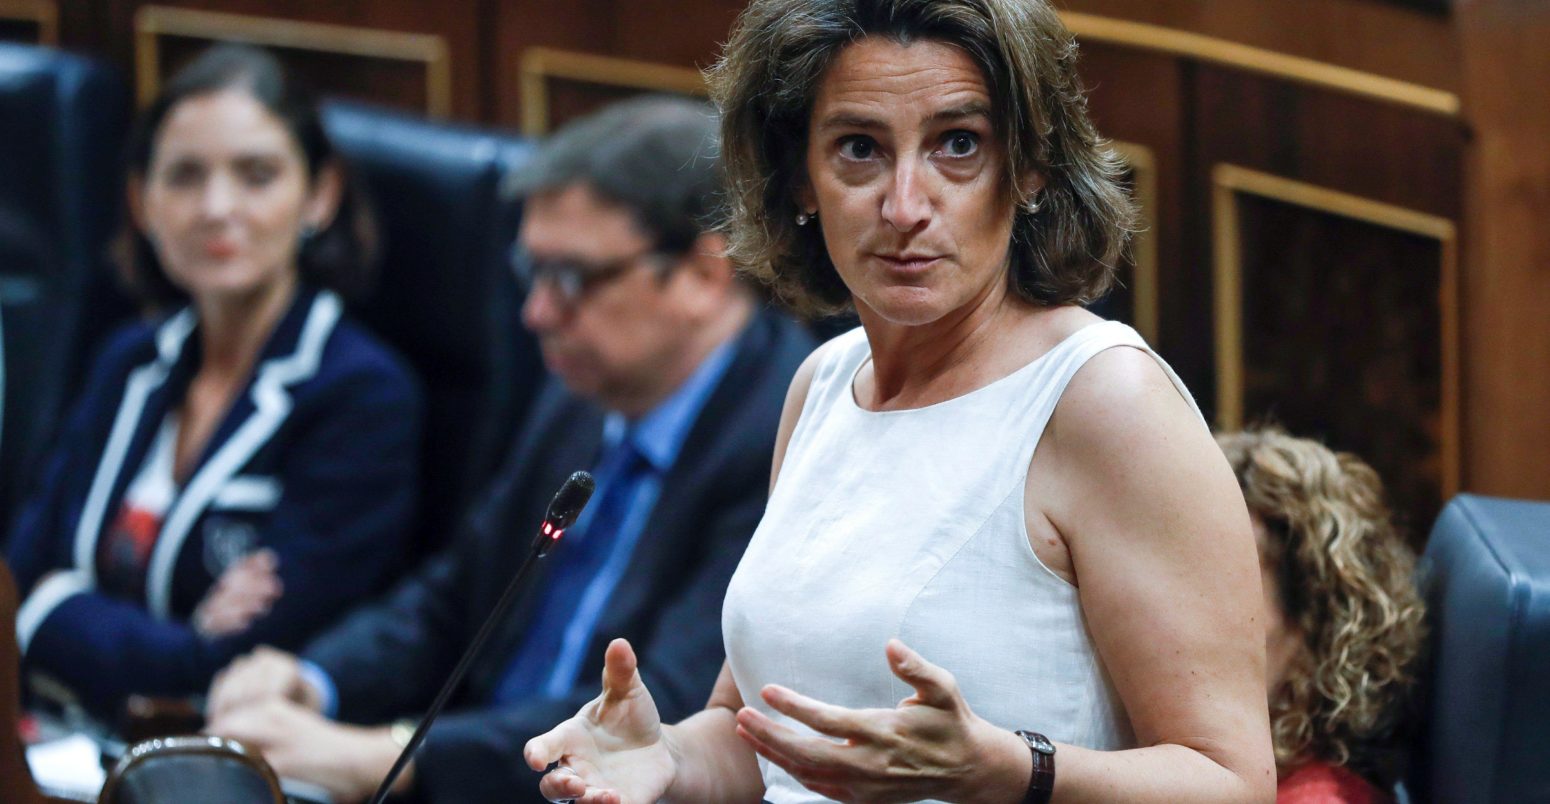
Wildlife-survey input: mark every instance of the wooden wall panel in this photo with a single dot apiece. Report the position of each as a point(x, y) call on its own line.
point(1386, 152)
point(1375, 37)
point(1351, 348)
point(405, 53)
point(1391, 391)
point(683, 34)
point(1506, 67)
point(560, 85)
point(408, 84)
point(1138, 97)
point(33, 22)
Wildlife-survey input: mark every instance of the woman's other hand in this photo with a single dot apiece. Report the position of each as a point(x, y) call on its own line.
point(930, 746)
point(614, 751)
point(244, 592)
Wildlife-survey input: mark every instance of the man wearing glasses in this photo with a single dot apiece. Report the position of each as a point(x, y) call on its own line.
point(669, 379)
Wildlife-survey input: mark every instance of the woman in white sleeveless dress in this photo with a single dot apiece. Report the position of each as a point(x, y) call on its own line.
point(1003, 559)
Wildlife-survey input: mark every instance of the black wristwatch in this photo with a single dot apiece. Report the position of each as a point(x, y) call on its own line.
point(1042, 784)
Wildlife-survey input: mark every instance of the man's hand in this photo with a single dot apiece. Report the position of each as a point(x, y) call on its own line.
point(244, 592)
point(347, 761)
point(265, 674)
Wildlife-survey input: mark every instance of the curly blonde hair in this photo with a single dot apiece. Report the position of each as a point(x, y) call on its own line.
point(1347, 582)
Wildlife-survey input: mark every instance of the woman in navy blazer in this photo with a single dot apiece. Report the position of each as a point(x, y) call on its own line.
point(242, 471)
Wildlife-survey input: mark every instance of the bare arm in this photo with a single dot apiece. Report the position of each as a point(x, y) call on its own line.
point(1168, 578)
point(714, 765)
point(616, 751)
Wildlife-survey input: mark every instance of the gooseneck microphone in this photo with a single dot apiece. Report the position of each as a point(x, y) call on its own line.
point(563, 510)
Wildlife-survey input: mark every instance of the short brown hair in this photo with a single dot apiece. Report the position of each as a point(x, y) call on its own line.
point(1347, 581)
point(765, 85)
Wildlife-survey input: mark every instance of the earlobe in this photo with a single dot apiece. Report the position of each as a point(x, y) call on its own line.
point(134, 197)
point(806, 199)
point(1031, 183)
point(323, 201)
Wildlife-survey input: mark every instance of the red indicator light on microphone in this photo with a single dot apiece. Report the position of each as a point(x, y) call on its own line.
point(557, 535)
point(548, 529)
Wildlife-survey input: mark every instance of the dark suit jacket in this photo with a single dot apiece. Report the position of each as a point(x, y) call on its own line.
point(316, 459)
point(389, 660)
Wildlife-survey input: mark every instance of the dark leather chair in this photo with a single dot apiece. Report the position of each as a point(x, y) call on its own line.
point(445, 297)
point(1485, 734)
point(62, 125)
point(190, 770)
point(16, 782)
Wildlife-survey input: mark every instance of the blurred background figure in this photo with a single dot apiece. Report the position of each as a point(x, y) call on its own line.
point(668, 378)
point(1344, 631)
point(241, 469)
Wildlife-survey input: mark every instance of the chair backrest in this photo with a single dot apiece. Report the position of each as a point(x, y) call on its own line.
point(16, 782)
point(186, 770)
point(1485, 734)
point(445, 297)
point(62, 125)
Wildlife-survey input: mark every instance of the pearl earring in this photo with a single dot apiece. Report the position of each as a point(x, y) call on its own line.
point(803, 218)
point(1032, 206)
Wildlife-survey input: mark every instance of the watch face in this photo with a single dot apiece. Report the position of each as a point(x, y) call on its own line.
point(1037, 741)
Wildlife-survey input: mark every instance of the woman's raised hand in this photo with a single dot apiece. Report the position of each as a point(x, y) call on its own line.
point(930, 746)
point(614, 751)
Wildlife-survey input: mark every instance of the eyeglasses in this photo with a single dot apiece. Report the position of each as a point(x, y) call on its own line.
point(571, 278)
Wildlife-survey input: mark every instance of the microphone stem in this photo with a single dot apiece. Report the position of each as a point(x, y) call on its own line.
point(496, 615)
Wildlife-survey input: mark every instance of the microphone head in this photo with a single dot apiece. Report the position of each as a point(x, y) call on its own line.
point(569, 500)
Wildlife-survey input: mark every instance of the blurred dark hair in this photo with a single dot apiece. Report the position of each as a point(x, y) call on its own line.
point(340, 257)
point(765, 84)
point(654, 154)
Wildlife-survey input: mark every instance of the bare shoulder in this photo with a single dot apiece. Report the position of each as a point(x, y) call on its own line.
point(1118, 395)
point(1130, 446)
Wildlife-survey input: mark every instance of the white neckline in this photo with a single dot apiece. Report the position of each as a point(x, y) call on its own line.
point(1032, 365)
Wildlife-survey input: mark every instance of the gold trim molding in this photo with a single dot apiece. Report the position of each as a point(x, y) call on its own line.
point(1230, 180)
point(1145, 293)
point(153, 22)
point(1175, 42)
point(541, 64)
point(42, 13)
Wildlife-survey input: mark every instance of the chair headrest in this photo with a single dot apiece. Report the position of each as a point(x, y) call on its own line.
point(1486, 577)
point(174, 770)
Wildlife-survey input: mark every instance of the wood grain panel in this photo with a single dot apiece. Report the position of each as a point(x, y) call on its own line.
point(1390, 154)
point(1506, 248)
point(561, 85)
point(1392, 41)
point(33, 22)
point(364, 50)
point(1137, 97)
point(682, 34)
point(1363, 350)
point(519, 25)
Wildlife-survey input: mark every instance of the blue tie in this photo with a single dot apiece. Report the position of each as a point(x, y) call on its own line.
point(575, 561)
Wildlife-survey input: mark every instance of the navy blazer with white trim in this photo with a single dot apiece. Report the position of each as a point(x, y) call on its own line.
point(317, 460)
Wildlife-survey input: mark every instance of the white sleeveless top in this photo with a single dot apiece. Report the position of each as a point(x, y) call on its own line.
point(910, 524)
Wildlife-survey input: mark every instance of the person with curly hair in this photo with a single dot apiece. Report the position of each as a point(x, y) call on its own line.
point(1344, 627)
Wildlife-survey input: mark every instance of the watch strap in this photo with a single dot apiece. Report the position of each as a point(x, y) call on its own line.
point(1041, 783)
